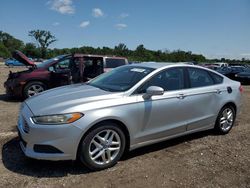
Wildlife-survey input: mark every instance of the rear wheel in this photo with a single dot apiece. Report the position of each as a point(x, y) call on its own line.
point(102, 147)
point(33, 88)
point(225, 120)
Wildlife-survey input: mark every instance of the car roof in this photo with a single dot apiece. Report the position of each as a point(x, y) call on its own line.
point(97, 56)
point(237, 66)
point(157, 65)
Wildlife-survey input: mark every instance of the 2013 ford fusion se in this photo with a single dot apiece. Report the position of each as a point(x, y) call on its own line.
point(126, 108)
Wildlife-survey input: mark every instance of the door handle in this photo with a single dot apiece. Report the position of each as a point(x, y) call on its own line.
point(218, 91)
point(181, 96)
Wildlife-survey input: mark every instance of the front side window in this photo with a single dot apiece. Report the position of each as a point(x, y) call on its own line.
point(62, 65)
point(121, 78)
point(170, 80)
point(199, 78)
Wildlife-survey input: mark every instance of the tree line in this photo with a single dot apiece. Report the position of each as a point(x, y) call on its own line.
point(44, 39)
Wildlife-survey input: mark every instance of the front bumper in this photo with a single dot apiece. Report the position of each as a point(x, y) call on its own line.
point(12, 88)
point(64, 138)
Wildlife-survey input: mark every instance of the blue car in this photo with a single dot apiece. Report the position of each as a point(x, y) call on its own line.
point(13, 62)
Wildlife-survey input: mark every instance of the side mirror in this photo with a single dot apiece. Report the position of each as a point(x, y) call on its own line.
point(153, 90)
point(51, 69)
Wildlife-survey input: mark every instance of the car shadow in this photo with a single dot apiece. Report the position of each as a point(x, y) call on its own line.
point(7, 98)
point(167, 144)
point(15, 161)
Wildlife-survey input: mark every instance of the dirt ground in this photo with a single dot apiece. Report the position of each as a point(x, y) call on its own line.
point(198, 160)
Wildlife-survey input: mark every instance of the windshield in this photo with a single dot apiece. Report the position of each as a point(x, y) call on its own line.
point(121, 78)
point(47, 62)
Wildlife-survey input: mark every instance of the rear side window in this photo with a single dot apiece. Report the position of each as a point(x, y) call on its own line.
point(217, 79)
point(199, 78)
point(113, 63)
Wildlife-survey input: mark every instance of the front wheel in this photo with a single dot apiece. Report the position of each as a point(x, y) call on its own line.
point(225, 120)
point(33, 88)
point(102, 147)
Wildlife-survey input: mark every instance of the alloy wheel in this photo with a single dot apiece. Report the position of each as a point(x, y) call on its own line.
point(104, 147)
point(34, 89)
point(226, 119)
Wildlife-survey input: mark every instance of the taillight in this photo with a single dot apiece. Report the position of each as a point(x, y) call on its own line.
point(241, 88)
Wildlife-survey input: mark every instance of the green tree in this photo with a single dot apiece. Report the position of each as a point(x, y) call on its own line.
point(4, 52)
point(10, 42)
point(121, 50)
point(44, 39)
point(31, 50)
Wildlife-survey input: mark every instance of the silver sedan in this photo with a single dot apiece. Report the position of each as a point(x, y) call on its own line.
point(126, 108)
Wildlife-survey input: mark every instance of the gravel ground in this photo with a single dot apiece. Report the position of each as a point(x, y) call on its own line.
point(198, 160)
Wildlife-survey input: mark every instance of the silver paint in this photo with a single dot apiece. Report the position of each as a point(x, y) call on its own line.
point(147, 119)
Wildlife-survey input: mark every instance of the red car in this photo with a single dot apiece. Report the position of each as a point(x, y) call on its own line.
point(58, 71)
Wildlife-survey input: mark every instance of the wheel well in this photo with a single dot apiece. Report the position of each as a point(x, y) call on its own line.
point(232, 105)
point(119, 123)
point(42, 81)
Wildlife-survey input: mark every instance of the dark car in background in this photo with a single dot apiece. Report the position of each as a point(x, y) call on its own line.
point(231, 71)
point(243, 77)
point(58, 71)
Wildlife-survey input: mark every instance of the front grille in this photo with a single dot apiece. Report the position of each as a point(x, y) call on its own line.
point(25, 126)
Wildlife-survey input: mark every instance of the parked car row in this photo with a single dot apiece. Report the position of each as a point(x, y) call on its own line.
point(58, 71)
point(238, 73)
point(234, 71)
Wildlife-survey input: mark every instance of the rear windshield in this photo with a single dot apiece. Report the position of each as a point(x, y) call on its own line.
point(113, 63)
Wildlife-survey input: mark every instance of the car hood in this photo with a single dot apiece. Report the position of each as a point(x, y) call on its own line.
point(19, 56)
point(65, 99)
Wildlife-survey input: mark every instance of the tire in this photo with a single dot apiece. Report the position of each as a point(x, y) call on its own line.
point(101, 148)
point(227, 115)
point(33, 88)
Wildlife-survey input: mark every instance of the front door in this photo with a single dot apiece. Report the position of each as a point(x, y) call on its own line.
point(162, 116)
point(61, 73)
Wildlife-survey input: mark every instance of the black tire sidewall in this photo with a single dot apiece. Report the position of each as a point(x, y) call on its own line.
point(217, 125)
point(25, 90)
point(84, 147)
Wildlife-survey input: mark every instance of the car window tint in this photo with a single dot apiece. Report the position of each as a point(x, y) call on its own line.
point(169, 80)
point(199, 78)
point(121, 78)
point(217, 79)
point(113, 63)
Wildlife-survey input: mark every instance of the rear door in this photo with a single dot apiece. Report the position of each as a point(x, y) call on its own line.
point(202, 99)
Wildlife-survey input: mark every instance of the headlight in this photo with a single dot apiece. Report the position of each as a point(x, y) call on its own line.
point(57, 119)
